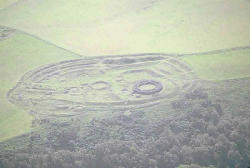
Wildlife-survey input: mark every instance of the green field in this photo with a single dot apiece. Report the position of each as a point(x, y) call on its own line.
point(21, 53)
point(128, 26)
point(222, 66)
point(18, 54)
point(6, 3)
point(124, 83)
point(112, 27)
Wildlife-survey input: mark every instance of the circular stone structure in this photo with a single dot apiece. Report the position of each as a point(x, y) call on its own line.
point(102, 83)
point(137, 87)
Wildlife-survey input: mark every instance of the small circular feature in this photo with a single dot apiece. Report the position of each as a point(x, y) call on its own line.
point(100, 85)
point(147, 87)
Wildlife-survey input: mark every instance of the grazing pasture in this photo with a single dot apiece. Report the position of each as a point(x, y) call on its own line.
point(20, 53)
point(112, 27)
point(124, 83)
point(6, 3)
point(222, 65)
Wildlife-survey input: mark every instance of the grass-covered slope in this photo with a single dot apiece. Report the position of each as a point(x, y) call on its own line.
point(127, 26)
point(6, 3)
point(18, 54)
point(221, 66)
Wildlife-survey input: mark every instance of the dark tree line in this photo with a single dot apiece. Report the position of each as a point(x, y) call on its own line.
point(206, 137)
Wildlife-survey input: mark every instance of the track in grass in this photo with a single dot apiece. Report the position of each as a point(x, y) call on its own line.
point(116, 82)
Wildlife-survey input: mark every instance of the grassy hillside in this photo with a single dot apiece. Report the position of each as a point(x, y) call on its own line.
point(222, 66)
point(6, 3)
point(127, 26)
point(119, 27)
point(19, 54)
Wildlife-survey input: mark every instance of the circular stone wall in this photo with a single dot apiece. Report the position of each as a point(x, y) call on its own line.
point(137, 87)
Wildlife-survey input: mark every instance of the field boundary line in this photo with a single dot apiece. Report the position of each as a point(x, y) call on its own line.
point(211, 52)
